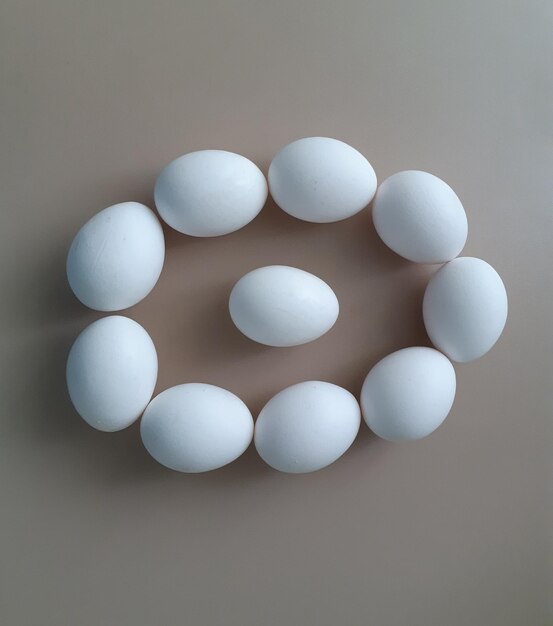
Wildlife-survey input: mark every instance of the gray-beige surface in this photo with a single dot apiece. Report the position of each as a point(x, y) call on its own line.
point(453, 530)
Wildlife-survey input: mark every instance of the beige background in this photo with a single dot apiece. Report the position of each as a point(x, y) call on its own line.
point(453, 530)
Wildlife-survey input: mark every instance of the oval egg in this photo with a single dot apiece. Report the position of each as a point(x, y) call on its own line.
point(319, 179)
point(111, 372)
point(196, 427)
point(210, 193)
point(116, 258)
point(307, 426)
point(419, 217)
point(465, 308)
point(408, 394)
point(282, 306)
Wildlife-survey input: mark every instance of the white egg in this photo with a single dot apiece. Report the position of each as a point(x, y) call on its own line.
point(465, 308)
point(307, 426)
point(408, 394)
point(318, 179)
point(282, 306)
point(112, 372)
point(419, 217)
point(210, 193)
point(116, 258)
point(196, 427)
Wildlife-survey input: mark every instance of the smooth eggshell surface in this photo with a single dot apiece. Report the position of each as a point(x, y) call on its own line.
point(408, 394)
point(112, 372)
point(196, 427)
point(465, 308)
point(307, 426)
point(116, 258)
point(282, 306)
point(319, 179)
point(419, 217)
point(210, 193)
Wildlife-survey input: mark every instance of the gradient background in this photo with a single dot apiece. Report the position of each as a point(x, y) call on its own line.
point(453, 530)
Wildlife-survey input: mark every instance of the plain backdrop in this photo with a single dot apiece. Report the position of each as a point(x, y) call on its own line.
point(456, 529)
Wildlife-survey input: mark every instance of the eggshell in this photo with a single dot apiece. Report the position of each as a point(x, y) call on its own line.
point(419, 216)
point(318, 179)
point(282, 306)
point(196, 427)
point(307, 426)
point(408, 394)
point(210, 193)
point(111, 372)
point(116, 258)
point(465, 308)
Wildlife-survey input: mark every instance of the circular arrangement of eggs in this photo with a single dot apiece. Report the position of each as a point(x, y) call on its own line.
point(117, 256)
